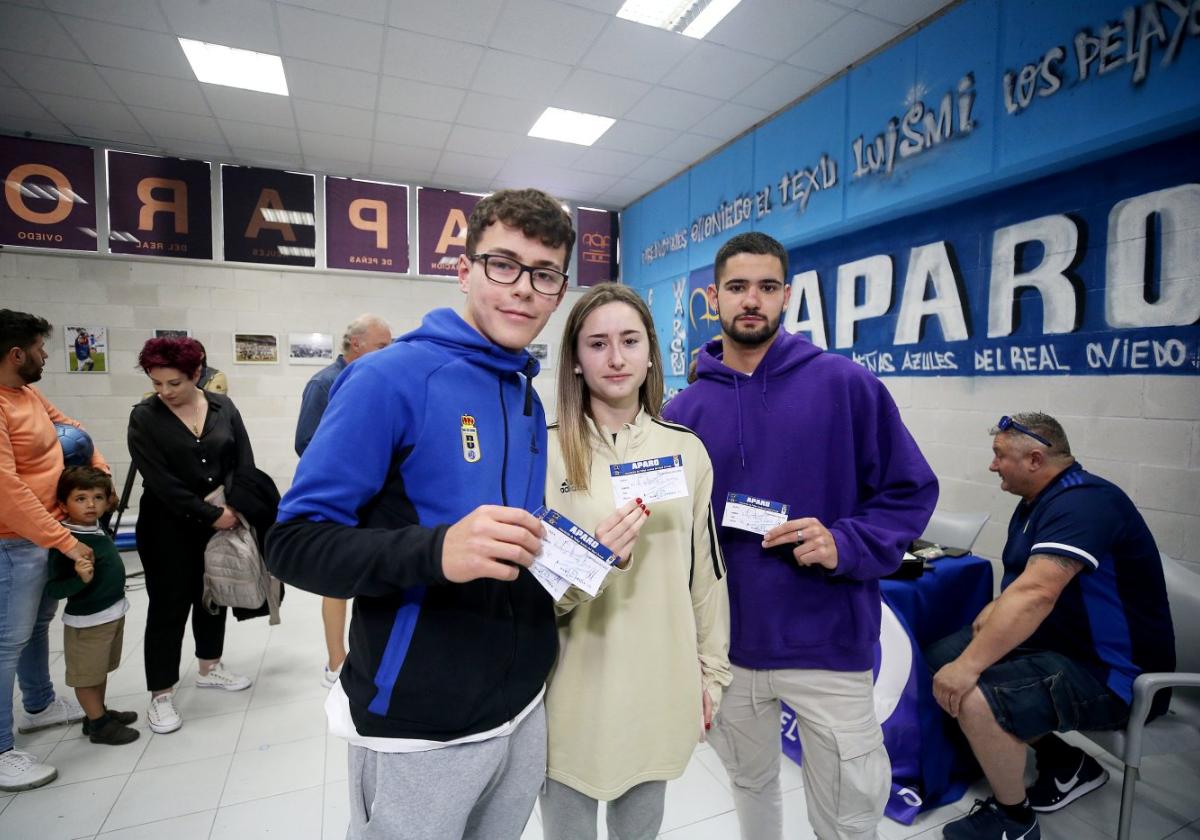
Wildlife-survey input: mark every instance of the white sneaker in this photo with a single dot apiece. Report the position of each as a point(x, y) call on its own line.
point(218, 677)
point(22, 771)
point(62, 710)
point(330, 678)
point(162, 715)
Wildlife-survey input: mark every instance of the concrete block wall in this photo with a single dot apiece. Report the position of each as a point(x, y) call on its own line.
point(133, 297)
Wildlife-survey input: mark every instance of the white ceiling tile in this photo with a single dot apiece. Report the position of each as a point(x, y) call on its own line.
point(15, 102)
point(459, 165)
point(695, 72)
point(782, 85)
point(844, 43)
point(499, 113)
point(245, 24)
point(142, 14)
point(156, 91)
point(402, 174)
point(195, 149)
point(258, 136)
point(375, 11)
point(50, 128)
point(249, 106)
point(637, 51)
point(129, 49)
point(6, 80)
point(564, 33)
point(333, 119)
point(773, 28)
point(330, 39)
point(608, 161)
point(535, 150)
point(172, 124)
point(326, 83)
point(97, 135)
point(629, 136)
point(335, 166)
point(482, 141)
point(419, 99)
point(903, 12)
point(462, 20)
point(439, 61)
point(410, 131)
point(728, 121)
point(403, 157)
point(522, 76)
point(270, 159)
point(688, 148)
point(599, 93)
point(672, 108)
point(467, 183)
point(89, 112)
point(52, 75)
point(608, 7)
point(656, 170)
point(333, 146)
point(35, 31)
point(627, 191)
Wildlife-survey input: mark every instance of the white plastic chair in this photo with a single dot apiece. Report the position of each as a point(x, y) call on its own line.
point(954, 530)
point(1179, 729)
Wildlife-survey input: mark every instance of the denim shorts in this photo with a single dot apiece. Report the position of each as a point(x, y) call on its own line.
point(1033, 692)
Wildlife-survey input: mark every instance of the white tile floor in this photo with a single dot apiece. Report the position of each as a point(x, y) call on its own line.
point(259, 764)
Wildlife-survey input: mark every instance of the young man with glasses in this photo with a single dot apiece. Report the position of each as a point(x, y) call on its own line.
point(415, 497)
point(1083, 611)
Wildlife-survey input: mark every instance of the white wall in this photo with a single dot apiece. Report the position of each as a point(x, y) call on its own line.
point(1142, 432)
point(133, 297)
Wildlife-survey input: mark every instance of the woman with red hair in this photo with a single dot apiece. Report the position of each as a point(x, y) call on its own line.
point(186, 442)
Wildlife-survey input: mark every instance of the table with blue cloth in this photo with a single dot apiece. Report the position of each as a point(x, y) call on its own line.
point(930, 767)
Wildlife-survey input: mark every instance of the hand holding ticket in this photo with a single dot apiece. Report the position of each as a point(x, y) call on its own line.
point(651, 480)
point(750, 513)
point(569, 556)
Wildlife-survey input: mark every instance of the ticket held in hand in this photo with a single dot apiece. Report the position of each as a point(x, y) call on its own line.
point(651, 480)
point(569, 556)
point(751, 513)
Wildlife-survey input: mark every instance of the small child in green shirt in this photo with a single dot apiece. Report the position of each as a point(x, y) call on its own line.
point(94, 618)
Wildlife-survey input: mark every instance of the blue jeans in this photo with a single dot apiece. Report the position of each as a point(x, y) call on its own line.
point(25, 616)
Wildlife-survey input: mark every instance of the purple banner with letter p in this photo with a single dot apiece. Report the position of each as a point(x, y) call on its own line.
point(49, 195)
point(366, 225)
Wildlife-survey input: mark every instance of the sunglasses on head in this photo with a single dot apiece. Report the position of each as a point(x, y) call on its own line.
point(1007, 423)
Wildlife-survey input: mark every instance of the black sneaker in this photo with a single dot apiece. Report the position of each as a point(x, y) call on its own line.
point(123, 718)
point(113, 733)
point(1058, 786)
point(986, 821)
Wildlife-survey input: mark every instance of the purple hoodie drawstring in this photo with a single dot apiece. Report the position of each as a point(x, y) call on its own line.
point(737, 393)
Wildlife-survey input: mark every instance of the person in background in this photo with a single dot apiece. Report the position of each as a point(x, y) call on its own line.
point(365, 334)
point(211, 379)
point(786, 422)
point(94, 617)
point(31, 461)
point(641, 667)
point(1082, 612)
point(186, 443)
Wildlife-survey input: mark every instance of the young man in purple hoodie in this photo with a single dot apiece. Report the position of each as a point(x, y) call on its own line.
point(786, 423)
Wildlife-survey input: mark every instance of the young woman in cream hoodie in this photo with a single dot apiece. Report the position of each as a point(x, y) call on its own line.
point(640, 667)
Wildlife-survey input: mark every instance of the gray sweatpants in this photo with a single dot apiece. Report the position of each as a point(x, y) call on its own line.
point(484, 790)
point(636, 814)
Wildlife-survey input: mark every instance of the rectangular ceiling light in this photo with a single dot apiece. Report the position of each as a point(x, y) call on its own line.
point(693, 18)
point(220, 65)
point(570, 126)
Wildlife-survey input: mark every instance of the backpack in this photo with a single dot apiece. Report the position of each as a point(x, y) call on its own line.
point(235, 574)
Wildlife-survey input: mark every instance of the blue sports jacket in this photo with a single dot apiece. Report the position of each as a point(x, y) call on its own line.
point(416, 436)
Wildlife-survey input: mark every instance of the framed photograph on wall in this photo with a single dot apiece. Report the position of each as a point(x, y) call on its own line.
point(87, 349)
point(542, 351)
point(172, 333)
point(255, 349)
point(310, 348)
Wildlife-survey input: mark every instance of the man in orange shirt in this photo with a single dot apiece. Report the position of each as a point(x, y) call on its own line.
point(31, 461)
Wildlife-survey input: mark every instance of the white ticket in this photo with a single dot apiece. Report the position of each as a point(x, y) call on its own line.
point(651, 480)
point(750, 513)
point(570, 554)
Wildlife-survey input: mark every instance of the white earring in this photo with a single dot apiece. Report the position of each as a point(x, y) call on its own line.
point(650, 364)
point(578, 370)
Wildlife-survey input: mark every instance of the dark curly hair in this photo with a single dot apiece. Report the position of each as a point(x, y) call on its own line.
point(183, 354)
point(20, 330)
point(82, 478)
point(533, 212)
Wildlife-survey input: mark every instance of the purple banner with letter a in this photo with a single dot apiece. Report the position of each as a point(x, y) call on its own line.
point(597, 239)
point(268, 216)
point(366, 225)
point(159, 206)
point(442, 229)
point(49, 195)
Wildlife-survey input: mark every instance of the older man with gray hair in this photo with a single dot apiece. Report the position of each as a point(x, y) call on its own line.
point(365, 334)
point(1082, 612)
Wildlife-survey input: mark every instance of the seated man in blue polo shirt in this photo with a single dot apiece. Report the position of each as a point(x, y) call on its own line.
point(1082, 612)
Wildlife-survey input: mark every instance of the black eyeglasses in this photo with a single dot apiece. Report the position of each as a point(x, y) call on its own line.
point(506, 270)
point(1007, 423)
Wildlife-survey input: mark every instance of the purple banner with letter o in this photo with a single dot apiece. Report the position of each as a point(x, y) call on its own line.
point(442, 229)
point(49, 195)
point(366, 225)
point(159, 206)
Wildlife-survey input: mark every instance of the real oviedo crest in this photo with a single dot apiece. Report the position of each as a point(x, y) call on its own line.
point(470, 439)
